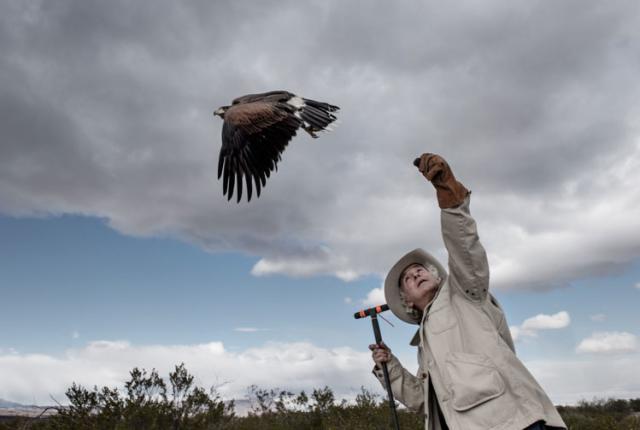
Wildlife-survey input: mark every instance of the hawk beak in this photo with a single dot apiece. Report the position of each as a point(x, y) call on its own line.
point(219, 112)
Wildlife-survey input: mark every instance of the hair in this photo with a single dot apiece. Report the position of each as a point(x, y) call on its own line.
point(410, 310)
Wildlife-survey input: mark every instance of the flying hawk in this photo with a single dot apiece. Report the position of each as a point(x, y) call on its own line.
point(256, 131)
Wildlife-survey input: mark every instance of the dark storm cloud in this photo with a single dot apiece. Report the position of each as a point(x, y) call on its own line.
point(107, 112)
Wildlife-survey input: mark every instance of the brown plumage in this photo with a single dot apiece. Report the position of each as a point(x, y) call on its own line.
point(256, 131)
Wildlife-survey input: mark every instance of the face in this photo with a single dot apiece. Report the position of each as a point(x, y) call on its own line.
point(419, 285)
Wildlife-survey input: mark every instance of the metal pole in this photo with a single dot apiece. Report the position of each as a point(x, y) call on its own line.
point(392, 403)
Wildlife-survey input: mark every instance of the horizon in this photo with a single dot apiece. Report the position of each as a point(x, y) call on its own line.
point(119, 249)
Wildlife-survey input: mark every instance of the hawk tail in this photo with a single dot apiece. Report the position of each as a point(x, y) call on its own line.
point(318, 114)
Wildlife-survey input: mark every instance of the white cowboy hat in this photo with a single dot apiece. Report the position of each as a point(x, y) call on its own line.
point(392, 282)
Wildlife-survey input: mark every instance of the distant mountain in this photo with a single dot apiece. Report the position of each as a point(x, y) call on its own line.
point(7, 404)
point(13, 409)
point(242, 408)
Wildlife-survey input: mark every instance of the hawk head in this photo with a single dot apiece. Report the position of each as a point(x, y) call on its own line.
point(221, 111)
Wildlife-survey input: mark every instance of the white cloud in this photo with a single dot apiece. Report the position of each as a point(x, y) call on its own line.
point(608, 343)
point(531, 326)
point(306, 263)
point(598, 317)
point(249, 329)
point(296, 366)
point(546, 322)
point(295, 264)
point(374, 297)
point(638, 285)
point(75, 334)
point(568, 381)
point(350, 203)
point(515, 332)
point(348, 300)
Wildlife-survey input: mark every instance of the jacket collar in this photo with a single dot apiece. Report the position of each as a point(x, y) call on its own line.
point(439, 302)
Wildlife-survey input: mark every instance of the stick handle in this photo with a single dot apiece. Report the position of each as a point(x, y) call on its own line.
point(385, 371)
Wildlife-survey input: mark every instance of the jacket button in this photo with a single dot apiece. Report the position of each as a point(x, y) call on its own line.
point(424, 375)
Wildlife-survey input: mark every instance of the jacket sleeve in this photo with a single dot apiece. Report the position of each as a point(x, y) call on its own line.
point(468, 265)
point(408, 389)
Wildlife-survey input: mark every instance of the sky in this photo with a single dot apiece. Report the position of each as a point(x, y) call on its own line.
point(118, 249)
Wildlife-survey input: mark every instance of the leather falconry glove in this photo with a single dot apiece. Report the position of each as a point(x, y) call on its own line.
point(449, 190)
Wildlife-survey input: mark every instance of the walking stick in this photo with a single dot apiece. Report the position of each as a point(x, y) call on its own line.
point(373, 313)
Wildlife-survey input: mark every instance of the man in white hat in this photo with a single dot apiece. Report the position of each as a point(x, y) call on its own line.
point(469, 377)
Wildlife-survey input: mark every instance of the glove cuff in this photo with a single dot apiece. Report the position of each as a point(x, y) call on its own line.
point(452, 195)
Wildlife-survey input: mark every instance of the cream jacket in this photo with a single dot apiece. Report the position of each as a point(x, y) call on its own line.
point(465, 349)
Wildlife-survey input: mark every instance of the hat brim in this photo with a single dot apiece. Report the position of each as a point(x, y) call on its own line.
point(392, 281)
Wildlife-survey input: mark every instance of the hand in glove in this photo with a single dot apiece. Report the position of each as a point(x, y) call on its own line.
point(450, 192)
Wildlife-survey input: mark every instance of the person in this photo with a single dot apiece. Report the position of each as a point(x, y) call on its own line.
point(469, 377)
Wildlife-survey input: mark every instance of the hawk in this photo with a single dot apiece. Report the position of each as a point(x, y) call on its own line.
point(256, 131)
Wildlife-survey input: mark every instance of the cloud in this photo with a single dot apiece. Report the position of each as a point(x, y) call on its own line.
point(75, 334)
point(302, 263)
point(569, 380)
point(515, 333)
point(609, 343)
point(638, 285)
point(598, 317)
point(546, 322)
point(348, 300)
point(531, 326)
point(296, 366)
point(112, 118)
point(249, 329)
point(374, 297)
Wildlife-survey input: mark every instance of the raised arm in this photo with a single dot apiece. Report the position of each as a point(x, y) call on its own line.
point(468, 265)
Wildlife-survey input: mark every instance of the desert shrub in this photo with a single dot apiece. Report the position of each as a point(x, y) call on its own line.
point(149, 402)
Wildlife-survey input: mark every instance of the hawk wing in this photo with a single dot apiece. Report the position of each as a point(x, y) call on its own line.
point(254, 135)
point(271, 96)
